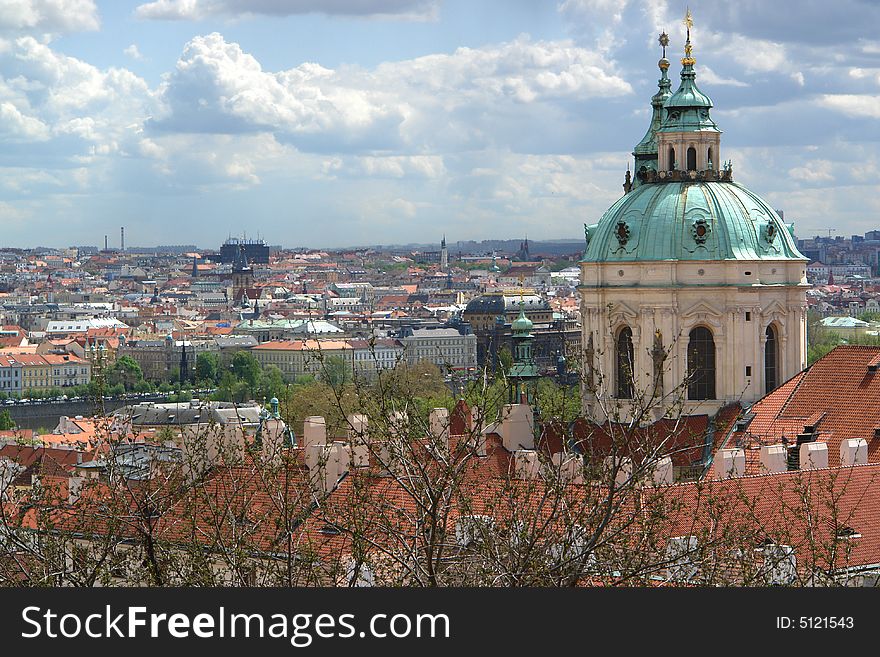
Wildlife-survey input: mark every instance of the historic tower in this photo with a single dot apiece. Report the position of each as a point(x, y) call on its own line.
point(242, 277)
point(692, 287)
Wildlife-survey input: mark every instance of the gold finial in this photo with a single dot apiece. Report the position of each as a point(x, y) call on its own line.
point(688, 23)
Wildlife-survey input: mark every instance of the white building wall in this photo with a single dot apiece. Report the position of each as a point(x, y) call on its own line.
point(677, 296)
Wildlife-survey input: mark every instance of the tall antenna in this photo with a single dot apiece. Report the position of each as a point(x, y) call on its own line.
point(122, 239)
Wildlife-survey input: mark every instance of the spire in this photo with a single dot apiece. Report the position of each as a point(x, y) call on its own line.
point(687, 110)
point(645, 152)
point(687, 60)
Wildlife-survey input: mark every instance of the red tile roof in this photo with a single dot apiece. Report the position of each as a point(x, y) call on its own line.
point(839, 395)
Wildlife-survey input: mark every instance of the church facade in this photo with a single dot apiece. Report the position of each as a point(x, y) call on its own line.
point(693, 291)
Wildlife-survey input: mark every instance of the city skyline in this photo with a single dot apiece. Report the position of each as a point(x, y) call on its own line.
point(390, 121)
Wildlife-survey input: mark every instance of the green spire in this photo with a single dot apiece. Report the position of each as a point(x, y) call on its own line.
point(523, 371)
point(687, 110)
point(522, 325)
point(645, 151)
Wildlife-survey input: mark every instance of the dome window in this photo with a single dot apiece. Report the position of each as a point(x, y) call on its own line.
point(700, 230)
point(770, 233)
point(692, 159)
point(622, 233)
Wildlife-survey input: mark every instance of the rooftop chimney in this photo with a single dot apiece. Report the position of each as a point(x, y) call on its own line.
point(314, 431)
point(853, 451)
point(732, 463)
point(526, 464)
point(774, 458)
point(813, 455)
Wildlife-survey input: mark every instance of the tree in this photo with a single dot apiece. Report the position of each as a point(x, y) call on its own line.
point(207, 367)
point(271, 383)
point(126, 372)
point(336, 372)
point(402, 493)
point(246, 369)
point(6, 421)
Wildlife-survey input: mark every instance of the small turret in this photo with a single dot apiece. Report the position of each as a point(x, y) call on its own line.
point(645, 152)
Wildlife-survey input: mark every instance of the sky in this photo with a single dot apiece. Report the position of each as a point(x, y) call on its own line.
point(333, 123)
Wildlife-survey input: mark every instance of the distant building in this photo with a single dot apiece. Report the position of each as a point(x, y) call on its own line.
point(256, 251)
point(450, 349)
point(159, 358)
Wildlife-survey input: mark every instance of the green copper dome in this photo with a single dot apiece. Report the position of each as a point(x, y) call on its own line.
point(521, 324)
point(690, 221)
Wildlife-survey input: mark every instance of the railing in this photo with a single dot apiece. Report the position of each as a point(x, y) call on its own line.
point(687, 472)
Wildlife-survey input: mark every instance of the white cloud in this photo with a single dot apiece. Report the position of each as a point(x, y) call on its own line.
point(133, 52)
point(202, 9)
point(49, 15)
point(816, 171)
point(854, 105)
point(430, 101)
point(709, 76)
point(16, 126)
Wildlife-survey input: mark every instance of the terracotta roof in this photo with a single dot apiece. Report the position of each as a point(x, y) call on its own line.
point(839, 395)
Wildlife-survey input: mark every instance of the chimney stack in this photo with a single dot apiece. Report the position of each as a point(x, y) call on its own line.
point(122, 239)
point(774, 458)
point(732, 463)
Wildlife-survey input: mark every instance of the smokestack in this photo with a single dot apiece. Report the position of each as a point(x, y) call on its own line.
point(105, 242)
point(122, 239)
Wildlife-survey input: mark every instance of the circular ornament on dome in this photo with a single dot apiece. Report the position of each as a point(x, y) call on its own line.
point(701, 272)
point(700, 230)
point(622, 232)
point(620, 272)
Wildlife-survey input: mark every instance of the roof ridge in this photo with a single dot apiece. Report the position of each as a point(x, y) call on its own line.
point(803, 375)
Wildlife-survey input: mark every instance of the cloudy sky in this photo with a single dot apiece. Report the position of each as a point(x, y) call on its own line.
point(348, 122)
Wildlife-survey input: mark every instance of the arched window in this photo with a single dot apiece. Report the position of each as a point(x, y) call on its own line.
point(671, 158)
point(701, 364)
point(709, 157)
point(692, 159)
point(624, 368)
point(771, 360)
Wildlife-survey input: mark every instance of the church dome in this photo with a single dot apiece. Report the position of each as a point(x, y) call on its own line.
point(690, 221)
point(499, 304)
point(522, 324)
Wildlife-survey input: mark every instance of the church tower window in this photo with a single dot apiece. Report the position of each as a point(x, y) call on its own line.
point(692, 159)
point(624, 368)
point(771, 356)
point(701, 364)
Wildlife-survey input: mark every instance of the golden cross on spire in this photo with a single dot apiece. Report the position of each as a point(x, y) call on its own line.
point(688, 23)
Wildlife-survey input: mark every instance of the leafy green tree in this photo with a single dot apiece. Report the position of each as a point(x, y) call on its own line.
point(271, 383)
point(335, 372)
point(6, 421)
point(207, 367)
point(125, 372)
point(246, 369)
point(505, 360)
